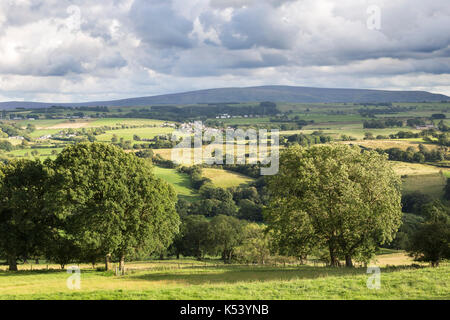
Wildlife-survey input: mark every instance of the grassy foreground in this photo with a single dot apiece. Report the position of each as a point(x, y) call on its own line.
point(207, 282)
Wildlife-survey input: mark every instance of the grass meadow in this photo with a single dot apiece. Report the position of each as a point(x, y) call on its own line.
point(192, 280)
point(180, 181)
point(430, 184)
point(127, 134)
point(226, 179)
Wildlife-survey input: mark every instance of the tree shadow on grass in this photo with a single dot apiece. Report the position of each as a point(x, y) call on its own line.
point(29, 272)
point(22, 273)
point(230, 274)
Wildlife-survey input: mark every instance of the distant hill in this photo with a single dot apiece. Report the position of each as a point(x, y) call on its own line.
point(256, 94)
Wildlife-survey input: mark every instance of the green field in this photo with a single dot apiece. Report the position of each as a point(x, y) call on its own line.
point(127, 134)
point(182, 184)
point(180, 181)
point(195, 280)
point(43, 152)
point(226, 179)
point(124, 121)
point(430, 184)
point(355, 130)
point(145, 129)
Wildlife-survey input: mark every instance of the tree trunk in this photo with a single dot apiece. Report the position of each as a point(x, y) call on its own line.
point(122, 264)
point(334, 261)
point(303, 259)
point(12, 261)
point(36, 261)
point(348, 261)
point(161, 256)
point(107, 262)
point(178, 255)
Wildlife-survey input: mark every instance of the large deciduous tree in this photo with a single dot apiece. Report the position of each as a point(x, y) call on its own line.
point(24, 220)
point(255, 247)
point(193, 239)
point(111, 202)
point(225, 234)
point(335, 196)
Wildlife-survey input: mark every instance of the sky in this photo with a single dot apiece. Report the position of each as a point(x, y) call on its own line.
point(84, 50)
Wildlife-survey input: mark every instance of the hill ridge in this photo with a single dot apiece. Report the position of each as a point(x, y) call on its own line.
point(275, 93)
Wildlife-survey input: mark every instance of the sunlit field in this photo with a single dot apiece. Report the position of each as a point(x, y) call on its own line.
point(128, 134)
point(189, 279)
point(226, 179)
point(180, 181)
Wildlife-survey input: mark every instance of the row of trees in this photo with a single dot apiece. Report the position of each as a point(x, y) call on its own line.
point(412, 155)
point(241, 202)
point(381, 124)
point(93, 201)
point(230, 238)
point(306, 140)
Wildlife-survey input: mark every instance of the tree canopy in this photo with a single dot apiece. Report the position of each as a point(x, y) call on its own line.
point(24, 220)
point(111, 202)
point(334, 196)
point(431, 241)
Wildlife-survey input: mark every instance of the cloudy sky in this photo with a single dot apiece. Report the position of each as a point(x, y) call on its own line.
point(84, 50)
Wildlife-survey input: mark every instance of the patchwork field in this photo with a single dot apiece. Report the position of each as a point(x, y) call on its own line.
point(353, 129)
point(146, 129)
point(112, 122)
point(124, 121)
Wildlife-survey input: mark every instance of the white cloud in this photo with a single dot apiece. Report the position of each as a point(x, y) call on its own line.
point(125, 48)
